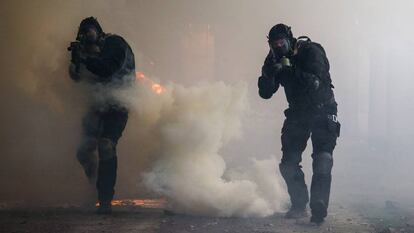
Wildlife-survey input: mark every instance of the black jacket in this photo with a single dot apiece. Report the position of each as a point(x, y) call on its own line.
point(307, 83)
point(114, 62)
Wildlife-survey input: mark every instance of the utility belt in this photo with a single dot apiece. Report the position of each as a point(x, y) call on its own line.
point(306, 111)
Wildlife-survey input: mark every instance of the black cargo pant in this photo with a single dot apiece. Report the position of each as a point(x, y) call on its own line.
point(102, 129)
point(323, 130)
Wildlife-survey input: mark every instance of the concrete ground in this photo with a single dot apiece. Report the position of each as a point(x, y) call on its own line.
point(342, 219)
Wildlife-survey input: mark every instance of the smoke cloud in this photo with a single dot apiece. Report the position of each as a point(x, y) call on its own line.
point(192, 124)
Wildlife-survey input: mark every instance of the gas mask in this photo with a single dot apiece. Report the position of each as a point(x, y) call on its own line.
point(89, 39)
point(280, 47)
point(91, 35)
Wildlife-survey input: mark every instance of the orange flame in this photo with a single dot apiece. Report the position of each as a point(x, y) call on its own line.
point(155, 87)
point(145, 203)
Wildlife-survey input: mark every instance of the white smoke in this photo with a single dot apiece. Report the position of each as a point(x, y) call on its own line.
point(191, 124)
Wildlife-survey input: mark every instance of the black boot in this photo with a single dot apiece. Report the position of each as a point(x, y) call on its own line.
point(295, 213)
point(106, 178)
point(104, 208)
point(321, 186)
point(319, 212)
point(320, 190)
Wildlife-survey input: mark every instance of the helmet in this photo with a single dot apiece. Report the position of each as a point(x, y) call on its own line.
point(86, 23)
point(279, 31)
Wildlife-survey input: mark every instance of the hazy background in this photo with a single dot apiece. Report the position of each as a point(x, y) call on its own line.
point(369, 45)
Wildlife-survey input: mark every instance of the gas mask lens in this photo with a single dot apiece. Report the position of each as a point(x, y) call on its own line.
point(280, 46)
point(90, 35)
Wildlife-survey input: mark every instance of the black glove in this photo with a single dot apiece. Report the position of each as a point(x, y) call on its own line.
point(267, 86)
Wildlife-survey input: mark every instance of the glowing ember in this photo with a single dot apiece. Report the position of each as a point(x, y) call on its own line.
point(156, 87)
point(145, 203)
point(140, 76)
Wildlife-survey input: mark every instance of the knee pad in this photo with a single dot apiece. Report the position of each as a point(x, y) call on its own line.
point(106, 148)
point(86, 148)
point(322, 163)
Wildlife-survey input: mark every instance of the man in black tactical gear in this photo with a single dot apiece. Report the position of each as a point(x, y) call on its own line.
point(105, 63)
point(302, 68)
